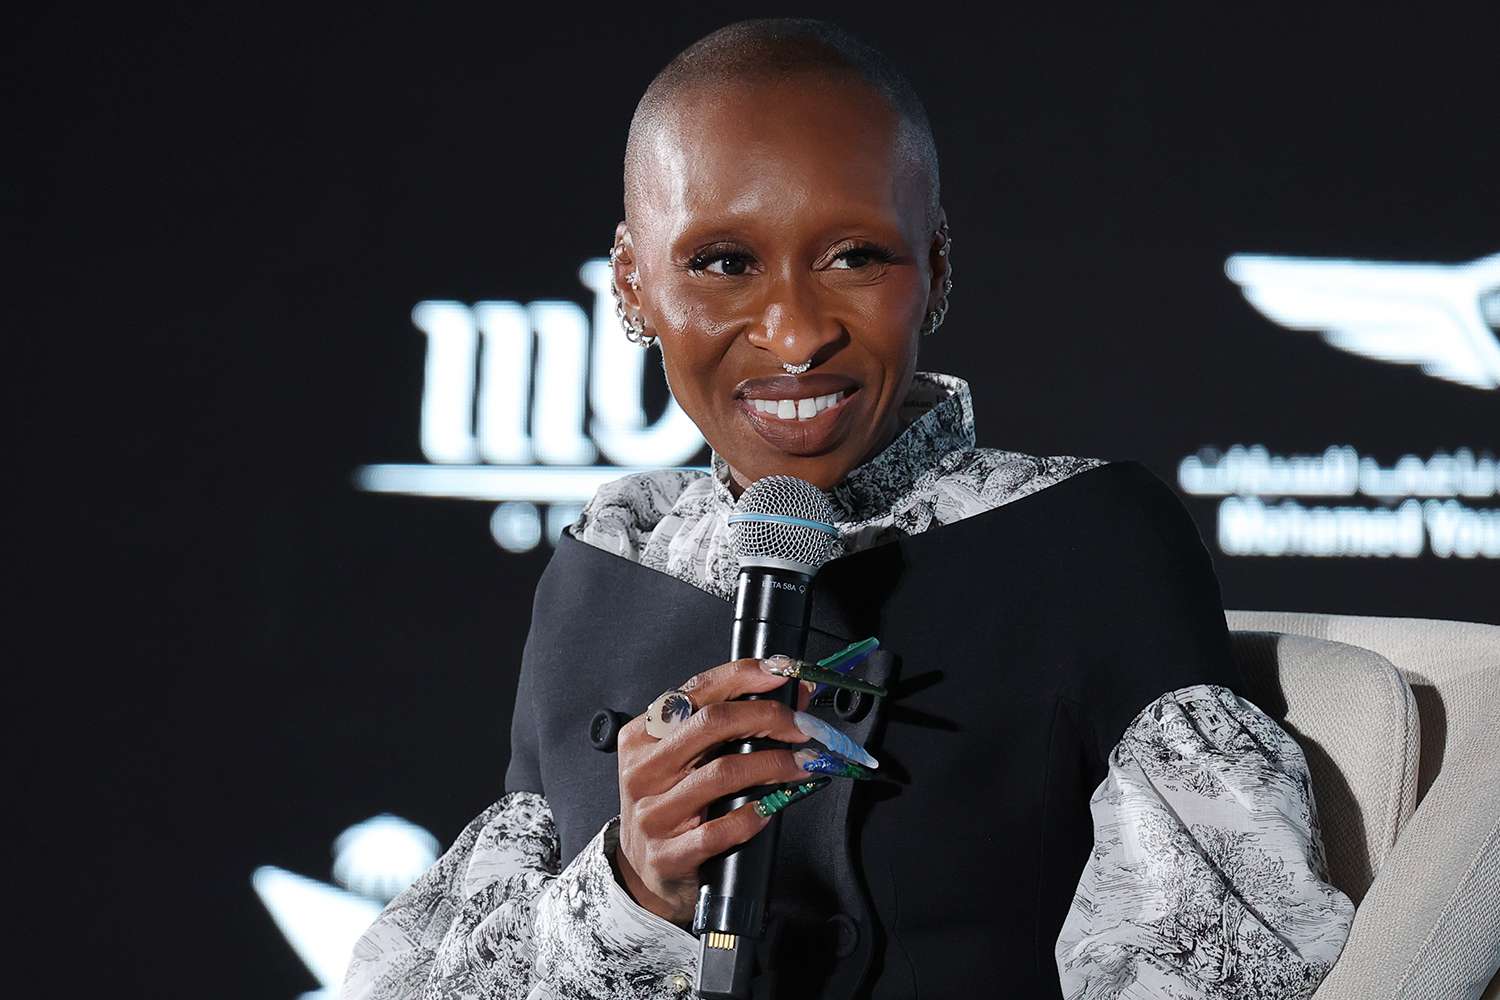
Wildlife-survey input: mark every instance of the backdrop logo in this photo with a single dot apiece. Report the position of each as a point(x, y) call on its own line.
point(1441, 318)
point(534, 406)
point(1358, 508)
point(373, 862)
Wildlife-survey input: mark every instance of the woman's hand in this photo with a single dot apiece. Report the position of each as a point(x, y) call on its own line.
point(666, 785)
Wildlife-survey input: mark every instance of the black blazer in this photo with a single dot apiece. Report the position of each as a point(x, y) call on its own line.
point(1019, 643)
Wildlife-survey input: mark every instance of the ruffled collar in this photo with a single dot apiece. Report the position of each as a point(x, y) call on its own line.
point(937, 418)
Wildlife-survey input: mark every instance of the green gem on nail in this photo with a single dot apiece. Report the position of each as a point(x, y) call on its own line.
point(769, 805)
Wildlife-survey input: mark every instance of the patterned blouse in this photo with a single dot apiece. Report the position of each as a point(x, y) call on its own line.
point(1207, 880)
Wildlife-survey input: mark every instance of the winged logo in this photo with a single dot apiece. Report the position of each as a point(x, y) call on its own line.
point(1442, 318)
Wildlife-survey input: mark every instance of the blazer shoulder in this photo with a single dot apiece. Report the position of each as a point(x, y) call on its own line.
point(1137, 490)
point(1115, 519)
point(1127, 479)
point(1122, 494)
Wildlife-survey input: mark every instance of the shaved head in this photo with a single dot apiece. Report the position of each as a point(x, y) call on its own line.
point(774, 50)
point(781, 209)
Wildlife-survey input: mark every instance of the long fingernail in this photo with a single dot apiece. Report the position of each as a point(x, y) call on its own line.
point(823, 762)
point(815, 728)
point(769, 805)
point(780, 664)
point(835, 679)
point(845, 659)
point(785, 666)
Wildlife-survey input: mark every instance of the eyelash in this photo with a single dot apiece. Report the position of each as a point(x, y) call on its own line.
point(698, 264)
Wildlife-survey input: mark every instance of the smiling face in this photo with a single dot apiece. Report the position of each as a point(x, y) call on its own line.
point(777, 222)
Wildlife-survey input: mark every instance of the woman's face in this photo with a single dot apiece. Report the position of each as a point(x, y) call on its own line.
point(783, 222)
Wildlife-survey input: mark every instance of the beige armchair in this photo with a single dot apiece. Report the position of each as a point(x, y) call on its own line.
point(1400, 721)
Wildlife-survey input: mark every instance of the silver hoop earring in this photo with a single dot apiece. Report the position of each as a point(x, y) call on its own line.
point(635, 331)
point(934, 319)
point(634, 326)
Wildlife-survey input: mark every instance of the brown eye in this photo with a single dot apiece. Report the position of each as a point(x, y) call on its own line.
point(727, 263)
point(733, 264)
point(853, 259)
point(861, 256)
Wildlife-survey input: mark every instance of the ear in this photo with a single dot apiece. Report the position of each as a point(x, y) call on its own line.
point(940, 260)
point(624, 266)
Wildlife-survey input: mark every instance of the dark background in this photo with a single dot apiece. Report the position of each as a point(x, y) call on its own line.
point(220, 219)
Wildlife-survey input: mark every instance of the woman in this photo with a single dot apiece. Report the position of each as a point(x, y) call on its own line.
point(1059, 658)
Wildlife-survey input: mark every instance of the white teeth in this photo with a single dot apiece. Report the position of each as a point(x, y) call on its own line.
point(798, 409)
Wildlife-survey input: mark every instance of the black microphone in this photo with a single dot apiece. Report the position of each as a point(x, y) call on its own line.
point(782, 532)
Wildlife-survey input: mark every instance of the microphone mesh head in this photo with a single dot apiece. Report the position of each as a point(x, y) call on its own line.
point(764, 528)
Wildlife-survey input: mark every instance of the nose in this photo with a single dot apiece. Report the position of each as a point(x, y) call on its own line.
point(794, 326)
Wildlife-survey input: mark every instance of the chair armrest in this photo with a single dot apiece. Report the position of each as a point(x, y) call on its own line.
point(1429, 928)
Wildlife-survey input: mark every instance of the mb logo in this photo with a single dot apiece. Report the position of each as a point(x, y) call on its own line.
point(532, 406)
point(1443, 318)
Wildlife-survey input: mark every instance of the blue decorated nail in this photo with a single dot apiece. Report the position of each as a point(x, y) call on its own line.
point(815, 728)
point(823, 762)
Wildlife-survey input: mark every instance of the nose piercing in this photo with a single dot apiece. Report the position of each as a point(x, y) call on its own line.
point(796, 369)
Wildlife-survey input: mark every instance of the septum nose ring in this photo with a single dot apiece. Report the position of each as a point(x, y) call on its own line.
point(796, 369)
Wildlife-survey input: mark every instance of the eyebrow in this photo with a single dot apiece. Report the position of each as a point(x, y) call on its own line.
point(715, 231)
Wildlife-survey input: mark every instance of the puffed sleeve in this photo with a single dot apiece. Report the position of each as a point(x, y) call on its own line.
point(1207, 878)
point(495, 918)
